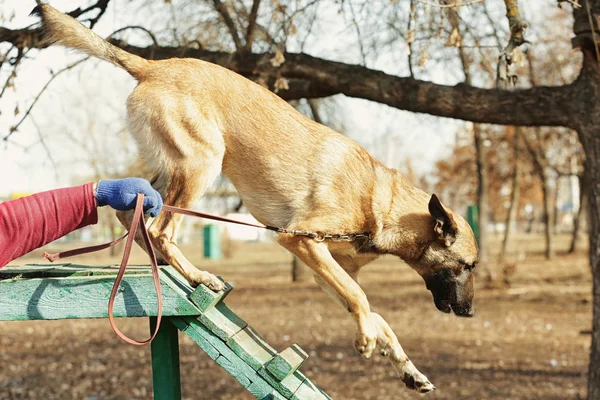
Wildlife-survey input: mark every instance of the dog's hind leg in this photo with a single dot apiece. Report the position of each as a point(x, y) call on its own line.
point(189, 177)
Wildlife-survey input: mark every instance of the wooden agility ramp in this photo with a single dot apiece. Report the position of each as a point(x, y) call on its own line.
point(68, 291)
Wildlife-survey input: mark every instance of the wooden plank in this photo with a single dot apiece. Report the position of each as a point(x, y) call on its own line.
point(197, 337)
point(195, 327)
point(30, 271)
point(287, 362)
point(286, 387)
point(273, 395)
point(222, 321)
point(204, 298)
point(251, 348)
point(79, 270)
point(309, 391)
point(23, 272)
point(262, 390)
point(233, 369)
point(177, 279)
point(86, 297)
point(165, 361)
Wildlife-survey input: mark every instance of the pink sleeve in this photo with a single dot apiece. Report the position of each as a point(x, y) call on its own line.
point(31, 222)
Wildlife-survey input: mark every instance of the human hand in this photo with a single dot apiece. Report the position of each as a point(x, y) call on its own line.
point(121, 194)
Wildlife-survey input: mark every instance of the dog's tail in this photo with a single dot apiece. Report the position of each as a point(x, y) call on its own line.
point(67, 31)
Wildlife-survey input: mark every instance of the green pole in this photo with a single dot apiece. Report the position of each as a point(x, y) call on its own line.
point(212, 242)
point(473, 220)
point(165, 361)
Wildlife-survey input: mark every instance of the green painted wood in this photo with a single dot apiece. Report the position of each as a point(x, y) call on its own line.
point(251, 348)
point(30, 271)
point(233, 368)
point(177, 280)
point(165, 361)
point(287, 362)
point(222, 321)
point(309, 391)
point(204, 298)
point(75, 291)
point(273, 396)
point(287, 386)
point(87, 297)
point(24, 272)
point(262, 390)
point(217, 347)
point(194, 332)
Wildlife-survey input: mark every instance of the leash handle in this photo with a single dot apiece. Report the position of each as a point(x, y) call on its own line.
point(137, 221)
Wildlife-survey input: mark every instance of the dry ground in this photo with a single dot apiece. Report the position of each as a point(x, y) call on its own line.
point(523, 343)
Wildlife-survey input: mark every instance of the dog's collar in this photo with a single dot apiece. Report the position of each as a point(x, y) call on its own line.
point(321, 236)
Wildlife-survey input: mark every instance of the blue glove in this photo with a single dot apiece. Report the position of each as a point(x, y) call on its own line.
point(121, 194)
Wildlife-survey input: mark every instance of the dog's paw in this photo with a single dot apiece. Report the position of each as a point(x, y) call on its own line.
point(366, 340)
point(418, 382)
point(207, 279)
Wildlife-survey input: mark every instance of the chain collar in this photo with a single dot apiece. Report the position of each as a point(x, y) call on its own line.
point(321, 237)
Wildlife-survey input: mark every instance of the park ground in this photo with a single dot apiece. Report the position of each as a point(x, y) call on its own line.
point(526, 341)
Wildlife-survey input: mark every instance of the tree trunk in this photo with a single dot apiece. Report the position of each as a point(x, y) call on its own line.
point(482, 202)
point(583, 200)
point(555, 210)
point(589, 134)
point(593, 170)
point(300, 271)
point(514, 197)
point(547, 215)
point(540, 167)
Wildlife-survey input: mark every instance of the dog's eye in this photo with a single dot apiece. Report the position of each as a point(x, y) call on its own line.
point(470, 267)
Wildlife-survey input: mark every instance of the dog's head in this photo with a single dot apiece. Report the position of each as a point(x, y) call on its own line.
point(448, 261)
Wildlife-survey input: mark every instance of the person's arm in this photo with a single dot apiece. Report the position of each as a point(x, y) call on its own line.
point(31, 222)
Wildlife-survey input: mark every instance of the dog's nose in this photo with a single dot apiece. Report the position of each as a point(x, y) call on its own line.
point(469, 312)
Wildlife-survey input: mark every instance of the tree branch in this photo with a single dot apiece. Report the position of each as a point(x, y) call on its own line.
point(315, 77)
point(222, 9)
point(37, 97)
point(251, 25)
point(537, 106)
point(517, 38)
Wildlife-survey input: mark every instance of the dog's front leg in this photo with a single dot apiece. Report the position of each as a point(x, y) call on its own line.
point(317, 256)
point(388, 345)
point(373, 331)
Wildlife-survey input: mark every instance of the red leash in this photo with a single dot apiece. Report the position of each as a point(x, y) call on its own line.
point(139, 221)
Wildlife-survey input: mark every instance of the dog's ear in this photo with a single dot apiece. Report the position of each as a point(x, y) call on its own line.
point(444, 227)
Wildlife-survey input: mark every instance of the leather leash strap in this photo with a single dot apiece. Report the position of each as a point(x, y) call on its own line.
point(138, 221)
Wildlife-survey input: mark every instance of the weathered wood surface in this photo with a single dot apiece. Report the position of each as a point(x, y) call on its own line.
point(287, 362)
point(62, 291)
point(72, 291)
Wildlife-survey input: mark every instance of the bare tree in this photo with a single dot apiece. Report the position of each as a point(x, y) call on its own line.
point(575, 105)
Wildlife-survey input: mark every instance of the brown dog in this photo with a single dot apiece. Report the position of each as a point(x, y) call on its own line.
point(193, 119)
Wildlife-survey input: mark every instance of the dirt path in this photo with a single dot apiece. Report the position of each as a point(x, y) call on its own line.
point(523, 343)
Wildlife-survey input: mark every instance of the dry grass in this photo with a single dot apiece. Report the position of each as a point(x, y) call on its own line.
point(523, 343)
